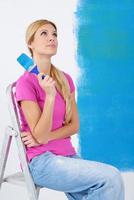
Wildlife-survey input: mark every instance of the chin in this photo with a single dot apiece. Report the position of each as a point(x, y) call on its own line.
point(52, 53)
point(48, 53)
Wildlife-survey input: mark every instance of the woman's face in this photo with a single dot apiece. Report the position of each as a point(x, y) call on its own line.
point(45, 41)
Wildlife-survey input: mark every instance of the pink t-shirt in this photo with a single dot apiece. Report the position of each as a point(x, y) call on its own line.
point(28, 88)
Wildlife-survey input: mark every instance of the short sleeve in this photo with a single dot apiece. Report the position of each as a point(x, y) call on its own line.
point(25, 90)
point(71, 83)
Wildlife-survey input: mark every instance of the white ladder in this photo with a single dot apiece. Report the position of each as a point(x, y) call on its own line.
point(24, 177)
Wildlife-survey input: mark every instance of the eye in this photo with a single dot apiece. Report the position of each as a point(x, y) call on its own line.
point(55, 34)
point(43, 33)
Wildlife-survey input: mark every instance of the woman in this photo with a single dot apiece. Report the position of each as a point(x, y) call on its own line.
point(49, 118)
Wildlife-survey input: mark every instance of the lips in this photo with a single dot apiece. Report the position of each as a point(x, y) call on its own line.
point(51, 45)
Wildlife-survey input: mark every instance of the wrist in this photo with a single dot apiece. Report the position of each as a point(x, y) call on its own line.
point(50, 97)
point(51, 136)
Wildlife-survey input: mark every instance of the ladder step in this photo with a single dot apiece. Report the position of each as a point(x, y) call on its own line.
point(16, 178)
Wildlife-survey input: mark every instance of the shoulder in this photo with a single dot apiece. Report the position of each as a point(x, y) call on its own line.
point(26, 80)
point(25, 87)
point(68, 76)
point(25, 77)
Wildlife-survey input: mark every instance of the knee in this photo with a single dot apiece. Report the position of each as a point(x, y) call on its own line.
point(115, 180)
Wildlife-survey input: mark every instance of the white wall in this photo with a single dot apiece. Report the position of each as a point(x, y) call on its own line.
point(15, 16)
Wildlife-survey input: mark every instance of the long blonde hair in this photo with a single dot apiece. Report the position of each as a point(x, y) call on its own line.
point(55, 73)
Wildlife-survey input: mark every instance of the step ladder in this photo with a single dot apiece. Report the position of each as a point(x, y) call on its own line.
point(24, 177)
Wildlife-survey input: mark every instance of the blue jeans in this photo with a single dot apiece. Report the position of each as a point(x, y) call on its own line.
point(79, 179)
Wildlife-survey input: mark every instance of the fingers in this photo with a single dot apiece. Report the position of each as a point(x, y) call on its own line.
point(25, 133)
point(47, 79)
point(27, 142)
point(40, 75)
point(31, 145)
point(28, 139)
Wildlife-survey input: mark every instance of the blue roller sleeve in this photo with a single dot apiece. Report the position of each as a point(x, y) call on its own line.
point(28, 64)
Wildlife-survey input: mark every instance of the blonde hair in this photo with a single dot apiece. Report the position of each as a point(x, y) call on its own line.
point(55, 73)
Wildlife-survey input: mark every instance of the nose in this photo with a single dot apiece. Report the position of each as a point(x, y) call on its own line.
point(51, 38)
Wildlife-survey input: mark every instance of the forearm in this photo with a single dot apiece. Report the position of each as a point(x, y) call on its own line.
point(64, 132)
point(44, 125)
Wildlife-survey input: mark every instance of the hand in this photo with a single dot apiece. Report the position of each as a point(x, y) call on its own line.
point(29, 140)
point(48, 84)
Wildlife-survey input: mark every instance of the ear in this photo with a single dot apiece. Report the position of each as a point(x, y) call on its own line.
point(30, 46)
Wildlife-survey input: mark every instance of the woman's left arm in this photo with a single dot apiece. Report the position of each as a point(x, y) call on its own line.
point(70, 129)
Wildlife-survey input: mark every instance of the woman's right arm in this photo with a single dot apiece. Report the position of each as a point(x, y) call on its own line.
point(40, 123)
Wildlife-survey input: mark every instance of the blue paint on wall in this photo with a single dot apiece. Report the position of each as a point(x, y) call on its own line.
point(105, 34)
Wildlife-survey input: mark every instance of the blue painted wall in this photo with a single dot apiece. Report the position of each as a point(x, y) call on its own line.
point(105, 55)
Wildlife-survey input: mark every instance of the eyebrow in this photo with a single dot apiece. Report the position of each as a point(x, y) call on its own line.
point(47, 30)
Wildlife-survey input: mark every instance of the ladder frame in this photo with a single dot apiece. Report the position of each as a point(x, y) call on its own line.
point(24, 177)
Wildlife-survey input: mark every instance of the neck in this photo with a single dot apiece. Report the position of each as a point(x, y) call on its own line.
point(43, 64)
